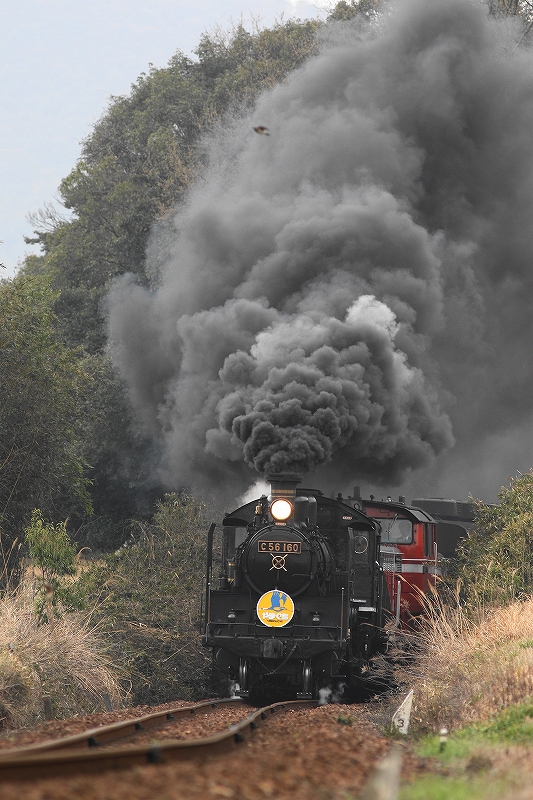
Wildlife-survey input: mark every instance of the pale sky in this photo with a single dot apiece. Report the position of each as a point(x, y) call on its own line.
point(61, 60)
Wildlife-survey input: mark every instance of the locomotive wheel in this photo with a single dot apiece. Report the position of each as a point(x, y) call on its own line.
point(243, 677)
point(306, 692)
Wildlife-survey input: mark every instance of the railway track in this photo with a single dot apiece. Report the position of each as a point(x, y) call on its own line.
point(106, 747)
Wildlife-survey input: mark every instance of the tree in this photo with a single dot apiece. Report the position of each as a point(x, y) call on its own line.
point(118, 461)
point(41, 381)
point(522, 9)
point(367, 9)
point(139, 160)
point(496, 559)
point(54, 556)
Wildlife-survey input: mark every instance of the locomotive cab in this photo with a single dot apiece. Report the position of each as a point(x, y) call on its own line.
point(298, 602)
point(408, 553)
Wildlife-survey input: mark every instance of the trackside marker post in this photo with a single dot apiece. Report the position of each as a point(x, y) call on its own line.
point(402, 717)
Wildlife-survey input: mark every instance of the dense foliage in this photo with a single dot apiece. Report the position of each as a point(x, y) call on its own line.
point(117, 462)
point(147, 596)
point(41, 384)
point(496, 560)
point(50, 548)
point(54, 560)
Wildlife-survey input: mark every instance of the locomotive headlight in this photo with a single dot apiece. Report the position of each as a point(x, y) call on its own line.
point(281, 510)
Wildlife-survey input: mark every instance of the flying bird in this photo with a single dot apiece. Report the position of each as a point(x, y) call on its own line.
point(261, 129)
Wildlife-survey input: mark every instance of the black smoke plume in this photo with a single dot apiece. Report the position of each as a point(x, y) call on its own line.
point(341, 294)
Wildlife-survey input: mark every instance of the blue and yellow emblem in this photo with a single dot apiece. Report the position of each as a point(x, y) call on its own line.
point(275, 608)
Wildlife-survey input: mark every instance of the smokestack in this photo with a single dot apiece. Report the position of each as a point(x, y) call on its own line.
point(283, 485)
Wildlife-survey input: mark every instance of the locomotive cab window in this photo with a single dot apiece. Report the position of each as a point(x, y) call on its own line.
point(361, 546)
point(397, 531)
point(233, 538)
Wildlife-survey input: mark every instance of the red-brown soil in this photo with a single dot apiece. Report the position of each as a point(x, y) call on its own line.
point(325, 753)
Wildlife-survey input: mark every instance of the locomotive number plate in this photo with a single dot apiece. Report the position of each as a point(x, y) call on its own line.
point(279, 547)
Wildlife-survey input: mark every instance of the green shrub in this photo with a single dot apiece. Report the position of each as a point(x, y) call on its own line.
point(147, 596)
point(496, 558)
point(54, 558)
point(50, 547)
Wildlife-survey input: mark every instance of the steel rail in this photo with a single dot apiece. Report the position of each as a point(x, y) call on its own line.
point(94, 737)
point(18, 765)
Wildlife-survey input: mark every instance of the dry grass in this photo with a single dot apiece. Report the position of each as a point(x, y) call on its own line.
point(64, 661)
point(472, 666)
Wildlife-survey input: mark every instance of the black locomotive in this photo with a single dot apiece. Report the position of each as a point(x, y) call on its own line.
point(300, 600)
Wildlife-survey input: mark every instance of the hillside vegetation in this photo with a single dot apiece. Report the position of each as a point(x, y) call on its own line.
point(473, 681)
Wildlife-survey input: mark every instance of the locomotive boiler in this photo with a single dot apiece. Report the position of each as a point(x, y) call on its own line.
point(295, 594)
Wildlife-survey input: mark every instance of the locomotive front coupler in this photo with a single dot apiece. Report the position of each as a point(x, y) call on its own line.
point(272, 648)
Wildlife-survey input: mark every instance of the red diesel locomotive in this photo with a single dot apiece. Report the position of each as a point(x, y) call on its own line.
point(409, 555)
point(417, 542)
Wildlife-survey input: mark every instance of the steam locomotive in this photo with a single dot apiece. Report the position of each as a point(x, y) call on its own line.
point(301, 601)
